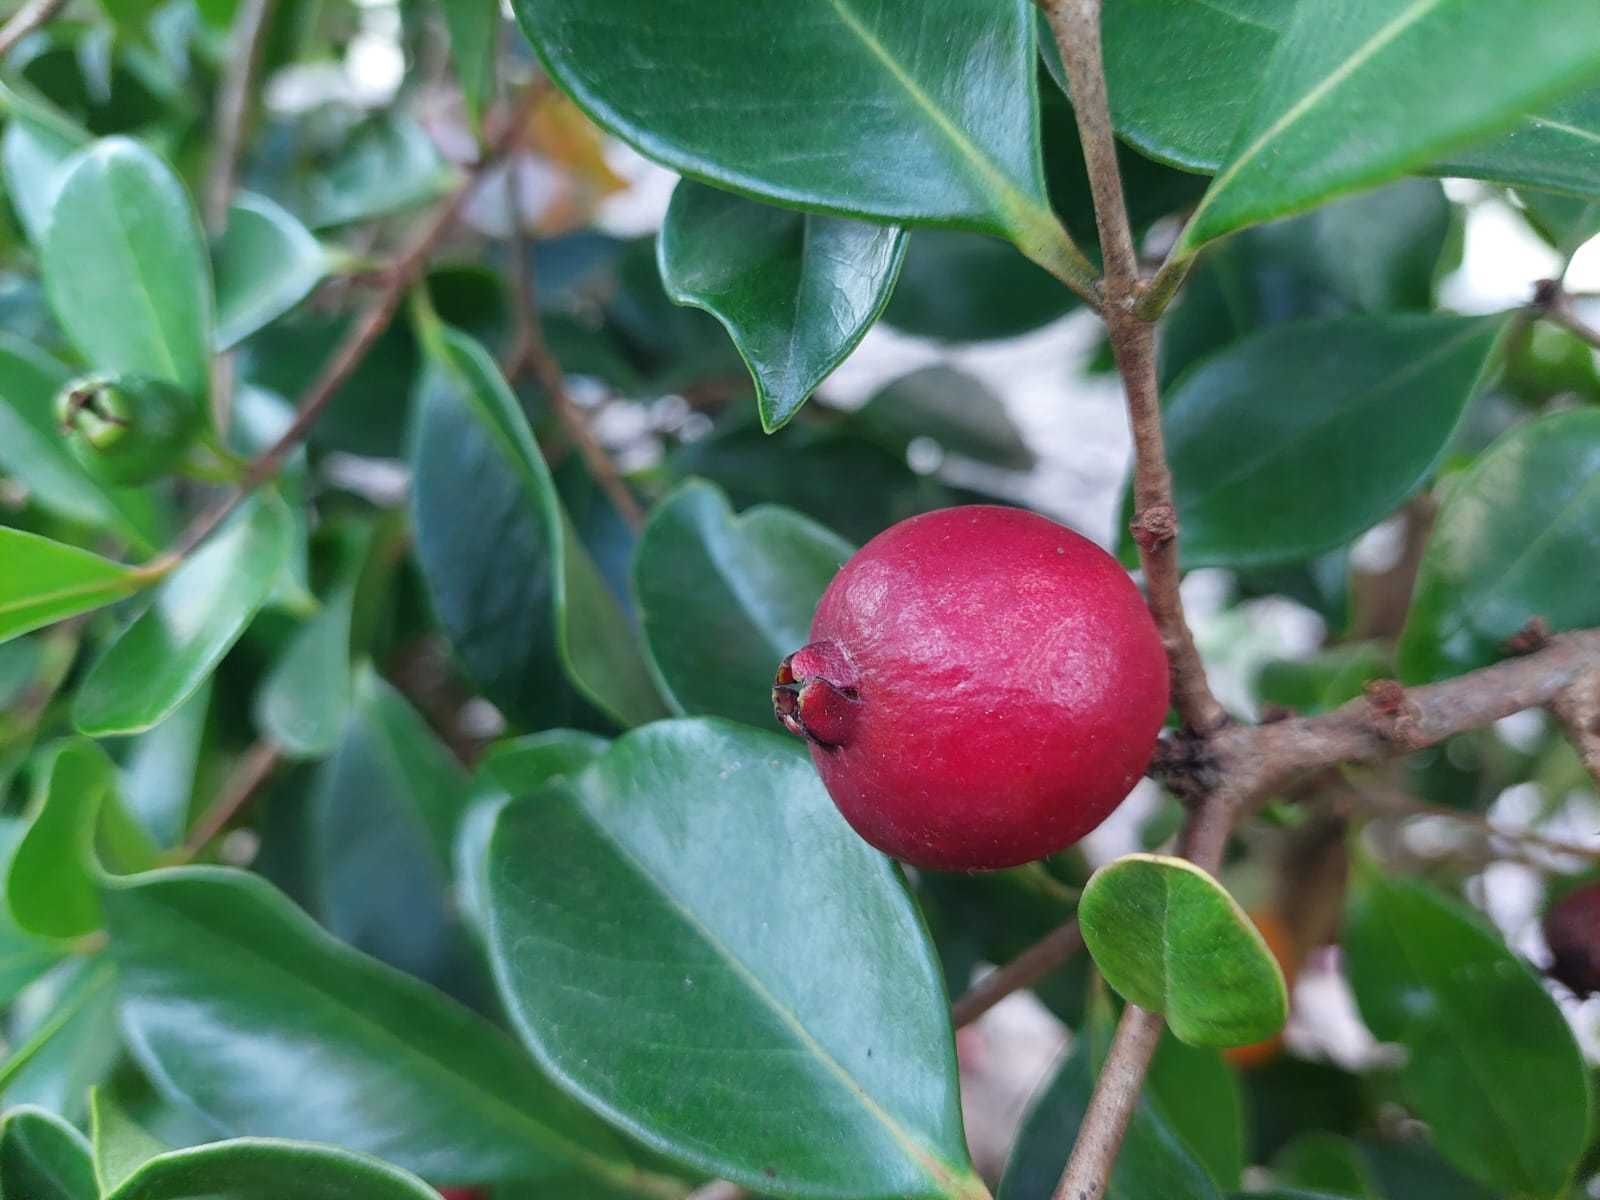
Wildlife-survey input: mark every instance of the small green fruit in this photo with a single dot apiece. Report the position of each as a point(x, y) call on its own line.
point(127, 429)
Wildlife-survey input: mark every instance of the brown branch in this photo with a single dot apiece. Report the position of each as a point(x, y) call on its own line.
point(25, 20)
point(1027, 969)
point(1116, 1095)
point(233, 107)
point(532, 351)
point(250, 776)
point(1578, 710)
point(1076, 25)
point(1552, 300)
point(401, 277)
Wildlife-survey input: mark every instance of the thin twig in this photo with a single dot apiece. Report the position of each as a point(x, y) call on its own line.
point(233, 107)
point(26, 19)
point(1027, 969)
point(532, 351)
point(254, 771)
point(405, 272)
point(1394, 804)
point(1076, 24)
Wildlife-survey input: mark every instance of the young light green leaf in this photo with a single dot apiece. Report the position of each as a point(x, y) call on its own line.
point(519, 596)
point(473, 26)
point(212, 956)
point(952, 138)
point(1491, 1064)
point(723, 598)
point(50, 885)
point(125, 265)
point(1503, 547)
point(1275, 441)
point(265, 263)
point(796, 292)
point(47, 581)
point(698, 873)
point(202, 608)
point(24, 957)
point(1169, 938)
point(268, 1169)
point(305, 698)
point(121, 1144)
point(1417, 77)
point(42, 1157)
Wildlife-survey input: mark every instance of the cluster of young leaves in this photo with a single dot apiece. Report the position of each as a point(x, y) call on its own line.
point(631, 945)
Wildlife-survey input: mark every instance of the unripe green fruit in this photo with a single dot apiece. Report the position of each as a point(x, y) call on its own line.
point(127, 429)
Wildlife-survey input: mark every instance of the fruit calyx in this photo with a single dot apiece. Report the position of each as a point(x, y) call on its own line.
point(815, 694)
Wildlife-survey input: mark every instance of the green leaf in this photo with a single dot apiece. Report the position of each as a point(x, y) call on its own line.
point(724, 598)
point(1296, 440)
point(796, 292)
point(33, 452)
point(44, 1158)
point(1557, 149)
point(23, 957)
point(47, 581)
point(261, 1169)
point(1153, 1162)
point(51, 884)
point(1325, 680)
point(1503, 547)
point(162, 766)
point(1169, 938)
point(969, 287)
point(1491, 1063)
point(38, 141)
point(388, 165)
point(1417, 77)
point(1325, 1163)
point(201, 609)
point(1197, 1095)
point(691, 938)
point(473, 26)
point(305, 698)
point(65, 1038)
point(121, 1144)
point(892, 131)
point(953, 409)
point(383, 820)
point(125, 264)
point(265, 263)
point(216, 957)
point(518, 595)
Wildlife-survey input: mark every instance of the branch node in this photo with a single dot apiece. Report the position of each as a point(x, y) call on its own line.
point(1186, 764)
point(1397, 717)
point(1154, 527)
point(1531, 638)
point(1546, 294)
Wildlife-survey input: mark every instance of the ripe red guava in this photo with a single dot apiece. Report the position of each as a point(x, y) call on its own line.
point(983, 686)
point(1572, 929)
point(463, 1193)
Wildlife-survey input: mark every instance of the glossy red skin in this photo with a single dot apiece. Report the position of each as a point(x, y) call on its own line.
point(1572, 929)
point(1010, 684)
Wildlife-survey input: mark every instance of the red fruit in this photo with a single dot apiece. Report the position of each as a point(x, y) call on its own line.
point(982, 688)
point(1572, 928)
point(463, 1194)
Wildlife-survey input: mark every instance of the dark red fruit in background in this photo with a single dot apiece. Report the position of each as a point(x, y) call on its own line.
point(982, 688)
point(463, 1194)
point(1572, 928)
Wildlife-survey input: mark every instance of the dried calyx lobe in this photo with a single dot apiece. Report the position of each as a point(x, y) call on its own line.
point(816, 694)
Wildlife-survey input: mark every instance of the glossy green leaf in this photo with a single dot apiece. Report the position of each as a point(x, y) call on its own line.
point(24, 957)
point(1325, 680)
point(1325, 1163)
point(1154, 1160)
point(689, 936)
point(1566, 222)
point(121, 1144)
point(891, 131)
point(1558, 149)
point(304, 699)
point(47, 581)
point(969, 287)
point(1169, 938)
point(515, 767)
point(268, 1169)
point(265, 263)
point(515, 590)
point(724, 598)
point(1504, 545)
point(796, 292)
point(50, 886)
point(38, 141)
point(474, 26)
point(1296, 440)
point(948, 407)
point(1196, 1093)
point(125, 265)
point(1417, 76)
point(215, 957)
point(1491, 1064)
point(161, 770)
point(64, 1039)
point(383, 820)
point(1375, 252)
point(388, 164)
point(44, 1158)
point(200, 610)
